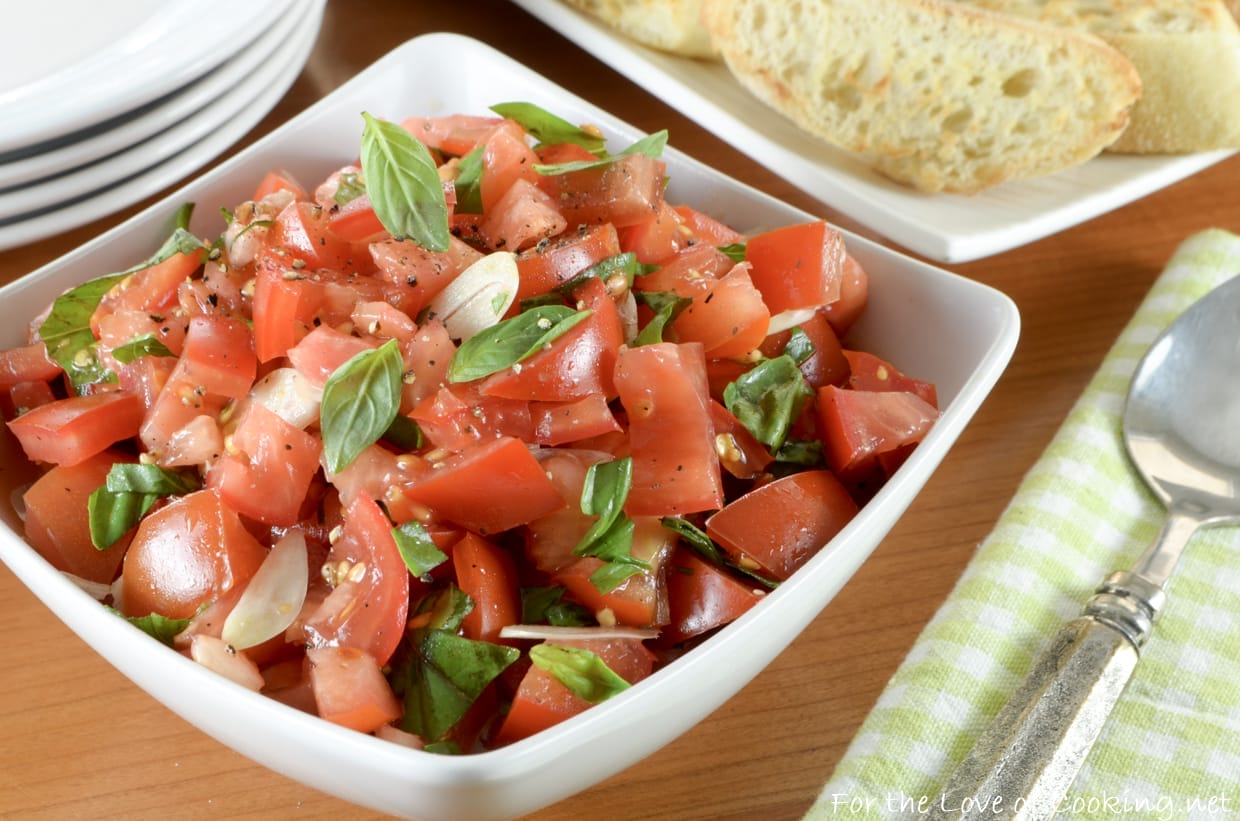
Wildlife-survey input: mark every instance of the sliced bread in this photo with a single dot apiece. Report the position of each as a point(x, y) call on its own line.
point(669, 25)
point(935, 95)
point(1187, 53)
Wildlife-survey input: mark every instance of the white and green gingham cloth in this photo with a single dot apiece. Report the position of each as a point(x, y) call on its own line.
point(1172, 747)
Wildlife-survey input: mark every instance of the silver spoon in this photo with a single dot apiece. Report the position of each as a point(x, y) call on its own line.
point(1182, 431)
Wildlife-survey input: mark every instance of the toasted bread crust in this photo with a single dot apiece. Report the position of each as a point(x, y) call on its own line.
point(669, 25)
point(933, 94)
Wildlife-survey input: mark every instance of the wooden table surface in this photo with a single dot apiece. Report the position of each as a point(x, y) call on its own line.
point(78, 740)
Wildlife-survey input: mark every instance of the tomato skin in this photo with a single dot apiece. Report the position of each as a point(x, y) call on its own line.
point(707, 229)
point(29, 363)
point(487, 573)
point(854, 295)
point(489, 488)
point(268, 470)
point(350, 690)
point(740, 452)
point(278, 180)
point(150, 290)
point(458, 417)
point(798, 266)
point(426, 357)
point(626, 192)
point(577, 365)
point(69, 431)
point(780, 525)
point(506, 157)
point(542, 269)
point(57, 521)
point(688, 273)
point(455, 134)
point(729, 319)
point(542, 701)
point(657, 238)
point(323, 350)
point(368, 608)
point(522, 217)
point(218, 356)
point(356, 221)
point(418, 274)
point(284, 306)
point(664, 390)
point(558, 423)
point(702, 597)
point(858, 426)
point(867, 372)
point(302, 230)
point(24, 396)
point(186, 554)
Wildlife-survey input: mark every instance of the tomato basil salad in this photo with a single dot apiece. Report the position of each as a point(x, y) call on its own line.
point(475, 434)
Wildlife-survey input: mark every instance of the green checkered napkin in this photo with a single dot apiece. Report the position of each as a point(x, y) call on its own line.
point(1172, 747)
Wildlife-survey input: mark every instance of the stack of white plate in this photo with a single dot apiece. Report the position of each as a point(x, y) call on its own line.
point(104, 104)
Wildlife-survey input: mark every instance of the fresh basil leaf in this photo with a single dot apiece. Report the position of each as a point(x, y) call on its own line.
point(666, 306)
point(227, 214)
point(138, 347)
point(805, 454)
point(623, 264)
point(469, 183)
point(156, 626)
point(548, 128)
point(446, 608)
point(111, 515)
point(549, 298)
point(404, 185)
point(441, 674)
point(546, 605)
point(443, 748)
point(800, 347)
point(404, 433)
point(734, 252)
point(419, 551)
point(696, 540)
point(508, 342)
point(360, 400)
point(651, 145)
point(610, 537)
point(66, 331)
point(350, 187)
point(767, 399)
point(583, 672)
point(128, 493)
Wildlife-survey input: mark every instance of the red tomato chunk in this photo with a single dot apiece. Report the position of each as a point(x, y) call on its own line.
point(415, 451)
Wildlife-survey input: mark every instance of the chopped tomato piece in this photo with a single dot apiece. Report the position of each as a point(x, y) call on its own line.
point(869, 373)
point(350, 690)
point(418, 274)
point(523, 216)
point(702, 596)
point(29, 363)
point(72, 430)
point(659, 237)
point(506, 158)
point(857, 426)
point(488, 488)
point(707, 229)
point(218, 357)
point(323, 350)
point(454, 134)
point(729, 319)
point(664, 391)
point(356, 221)
point(799, 266)
point(625, 192)
point(557, 423)
point(544, 268)
point(854, 294)
point(487, 573)
point(780, 525)
point(58, 522)
point(186, 554)
point(279, 180)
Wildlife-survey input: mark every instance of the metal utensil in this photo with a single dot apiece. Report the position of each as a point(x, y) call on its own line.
point(1181, 428)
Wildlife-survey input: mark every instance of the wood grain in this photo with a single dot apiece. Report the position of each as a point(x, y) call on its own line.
point(81, 741)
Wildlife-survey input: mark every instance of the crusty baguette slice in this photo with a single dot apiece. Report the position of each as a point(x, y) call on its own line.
point(668, 25)
point(1187, 53)
point(939, 96)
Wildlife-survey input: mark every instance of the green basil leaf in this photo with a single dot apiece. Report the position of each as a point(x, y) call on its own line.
point(734, 252)
point(443, 748)
point(350, 187)
point(404, 185)
point(624, 264)
point(138, 347)
point(800, 347)
point(227, 214)
point(767, 399)
point(805, 454)
point(610, 537)
point(548, 128)
point(651, 145)
point(360, 400)
point(111, 515)
point(447, 608)
point(584, 673)
point(404, 433)
point(508, 342)
point(419, 551)
point(667, 306)
point(156, 626)
point(541, 605)
point(441, 676)
point(469, 183)
point(696, 540)
point(127, 494)
point(549, 298)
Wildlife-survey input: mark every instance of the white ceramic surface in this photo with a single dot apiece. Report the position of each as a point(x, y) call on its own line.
point(214, 131)
point(115, 57)
point(184, 103)
point(942, 327)
point(944, 227)
point(265, 69)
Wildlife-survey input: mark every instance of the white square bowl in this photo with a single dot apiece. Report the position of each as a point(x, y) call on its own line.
point(939, 326)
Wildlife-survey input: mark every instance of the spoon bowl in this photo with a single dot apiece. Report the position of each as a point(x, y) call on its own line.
point(1181, 429)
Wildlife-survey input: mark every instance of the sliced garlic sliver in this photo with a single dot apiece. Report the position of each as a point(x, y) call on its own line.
point(289, 395)
point(479, 296)
point(790, 319)
point(273, 598)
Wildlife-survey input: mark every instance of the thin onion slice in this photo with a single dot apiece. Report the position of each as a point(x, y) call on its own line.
point(479, 296)
point(547, 632)
point(273, 597)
